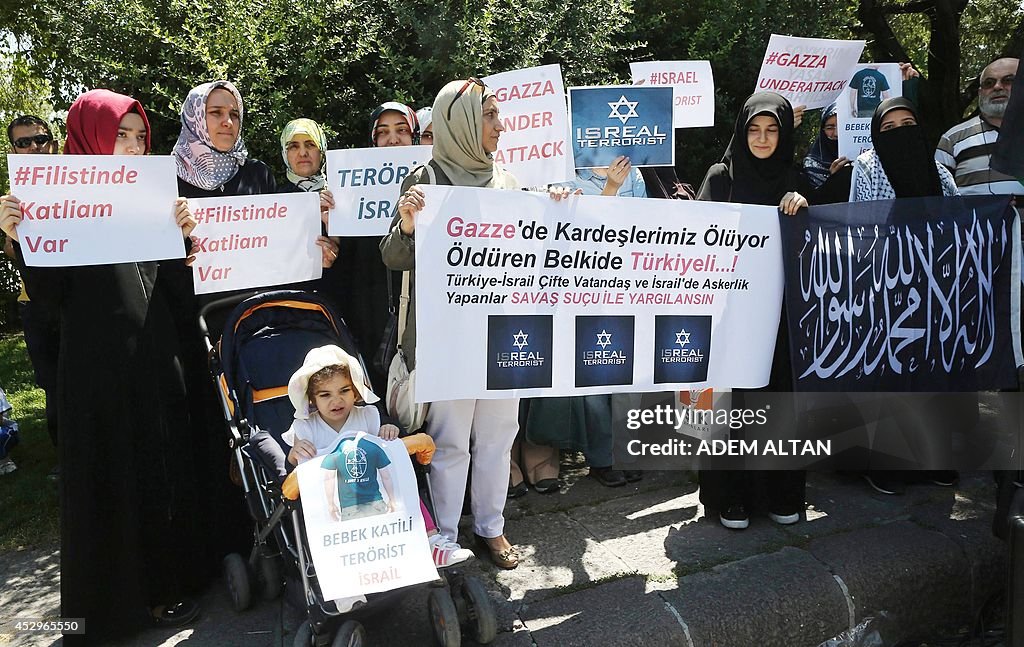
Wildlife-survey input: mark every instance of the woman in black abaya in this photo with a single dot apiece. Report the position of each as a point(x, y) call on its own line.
point(126, 488)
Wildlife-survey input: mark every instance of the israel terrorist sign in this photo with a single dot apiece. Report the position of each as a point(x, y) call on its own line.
point(610, 121)
point(545, 298)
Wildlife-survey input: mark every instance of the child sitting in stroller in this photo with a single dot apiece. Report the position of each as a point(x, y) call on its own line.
point(331, 396)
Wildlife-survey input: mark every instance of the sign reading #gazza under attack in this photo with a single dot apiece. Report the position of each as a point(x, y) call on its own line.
point(625, 120)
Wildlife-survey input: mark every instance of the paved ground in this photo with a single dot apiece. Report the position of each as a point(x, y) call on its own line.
point(644, 566)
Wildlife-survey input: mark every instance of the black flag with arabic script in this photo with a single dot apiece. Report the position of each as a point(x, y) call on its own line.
point(920, 294)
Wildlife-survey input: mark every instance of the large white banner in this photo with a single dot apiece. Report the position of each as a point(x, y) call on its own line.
point(870, 85)
point(693, 89)
point(808, 71)
point(519, 295)
point(362, 515)
point(532, 104)
point(95, 209)
point(366, 183)
point(252, 241)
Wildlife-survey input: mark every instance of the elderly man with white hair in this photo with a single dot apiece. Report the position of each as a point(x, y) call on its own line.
point(966, 149)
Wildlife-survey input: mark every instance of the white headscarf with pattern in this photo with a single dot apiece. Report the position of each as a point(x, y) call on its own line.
point(198, 160)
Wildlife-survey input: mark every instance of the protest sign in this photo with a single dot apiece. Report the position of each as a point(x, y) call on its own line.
point(96, 209)
point(871, 84)
point(362, 514)
point(809, 72)
point(920, 294)
point(534, 146)
point(545, 298)
point(609, 121)
point(250, 241)
point(693, 89)
point(366, 183)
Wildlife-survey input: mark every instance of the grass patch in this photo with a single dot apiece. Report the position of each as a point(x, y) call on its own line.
point(29, 501)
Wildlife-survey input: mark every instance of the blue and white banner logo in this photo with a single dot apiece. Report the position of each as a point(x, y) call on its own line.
point(622, 120)
point(518, 351)
point(682, 347)
point(604, 350)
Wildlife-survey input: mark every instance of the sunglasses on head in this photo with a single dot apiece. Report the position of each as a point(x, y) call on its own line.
point(468, 85)
point(990, 82)
point(38, 140)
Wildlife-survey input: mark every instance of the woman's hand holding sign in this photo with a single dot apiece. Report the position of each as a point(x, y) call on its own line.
point(411, 202)
point(10, 215)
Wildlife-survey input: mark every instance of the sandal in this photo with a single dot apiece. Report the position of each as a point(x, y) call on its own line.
point(506, 559)
point(175, 615)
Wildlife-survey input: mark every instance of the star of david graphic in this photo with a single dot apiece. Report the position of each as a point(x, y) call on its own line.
point(521, 339)
point(682, 338)
point(355, 463)
point(604, 339)
point(622, 103)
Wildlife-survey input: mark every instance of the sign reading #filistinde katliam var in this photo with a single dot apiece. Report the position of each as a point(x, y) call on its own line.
point(254, 241)
point(591, 294)
point(610, 121)
point(366, 183)
point(95, 209)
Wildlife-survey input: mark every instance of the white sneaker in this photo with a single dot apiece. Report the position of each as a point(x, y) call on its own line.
point(446, 552)
point(7, 465)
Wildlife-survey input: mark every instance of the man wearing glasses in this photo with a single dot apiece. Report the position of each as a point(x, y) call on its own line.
point(966, 149)
point(29, 134)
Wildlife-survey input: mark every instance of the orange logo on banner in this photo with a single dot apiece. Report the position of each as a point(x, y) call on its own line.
point(705, 399)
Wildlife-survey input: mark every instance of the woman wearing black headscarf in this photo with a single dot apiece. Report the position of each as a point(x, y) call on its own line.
point(902, 163)
point(757, 168)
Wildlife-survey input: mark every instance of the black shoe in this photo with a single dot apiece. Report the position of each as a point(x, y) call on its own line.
point(546, 486)
point(734, 517)
point(54, 474)
point(608, 477)
point(883, 485)
point(632, 476)
point(945, 478)
point(516, 491)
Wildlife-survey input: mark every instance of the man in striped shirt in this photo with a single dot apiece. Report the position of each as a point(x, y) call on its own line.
point(966, 149)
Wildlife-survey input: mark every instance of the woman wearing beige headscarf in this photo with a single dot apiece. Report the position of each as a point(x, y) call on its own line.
point(467, 127)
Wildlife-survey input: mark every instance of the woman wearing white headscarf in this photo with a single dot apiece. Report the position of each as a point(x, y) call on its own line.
point(466, 127)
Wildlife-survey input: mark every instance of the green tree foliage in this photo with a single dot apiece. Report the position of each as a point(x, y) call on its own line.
point(332, 61)
point(732, 34)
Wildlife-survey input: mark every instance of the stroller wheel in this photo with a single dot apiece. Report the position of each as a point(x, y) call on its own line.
point(236, 573)
point(269, 572)
point(350, 634)
point(303, 635)
point(482, 619)
point(444, 618)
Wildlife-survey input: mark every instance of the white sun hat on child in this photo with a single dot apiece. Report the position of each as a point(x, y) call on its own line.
point(317, 359)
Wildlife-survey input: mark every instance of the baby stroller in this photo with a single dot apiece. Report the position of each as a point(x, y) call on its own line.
point(266, 337)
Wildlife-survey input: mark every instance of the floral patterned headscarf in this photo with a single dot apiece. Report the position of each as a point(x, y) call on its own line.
point(198, 160)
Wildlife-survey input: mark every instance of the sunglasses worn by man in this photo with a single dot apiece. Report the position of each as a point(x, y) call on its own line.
point(990, 82)
point(39, 140)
